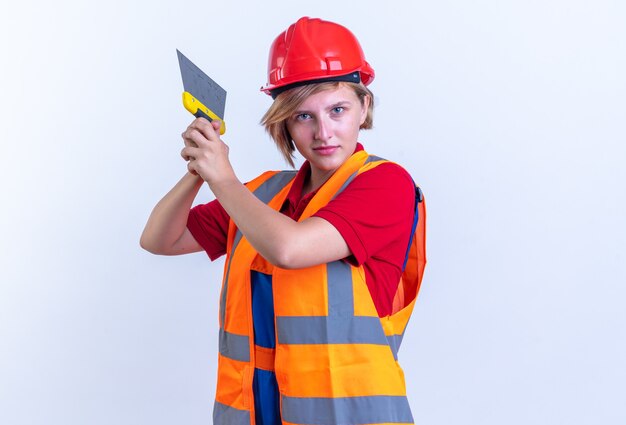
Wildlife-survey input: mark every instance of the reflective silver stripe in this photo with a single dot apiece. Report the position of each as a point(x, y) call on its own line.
point(226, 415)
point(238, 237)
point(225, 287)
point(273, 185)
point(340, 291)
point(346, 410)
point(394, 343)
point(234, 346)
point(330, 330)
point(369, 159)
point(373, 158)
point(341, 326)
point(265, 193)
point(345, 184)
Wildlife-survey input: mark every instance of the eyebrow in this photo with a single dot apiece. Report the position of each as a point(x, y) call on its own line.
point(341, 103)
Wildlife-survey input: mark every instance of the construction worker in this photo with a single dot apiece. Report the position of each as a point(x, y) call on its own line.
point(323, 264)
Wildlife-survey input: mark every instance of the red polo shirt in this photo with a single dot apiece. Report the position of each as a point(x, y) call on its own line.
point(374, 214)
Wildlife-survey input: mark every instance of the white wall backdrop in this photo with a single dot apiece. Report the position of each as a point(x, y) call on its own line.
point(510, 114)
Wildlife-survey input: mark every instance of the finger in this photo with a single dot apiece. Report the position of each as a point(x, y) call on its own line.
point(187, 141)
point(189, 144)
point(191, 168)
point(206, 128)
point(201, 120)
point(189, 153)
point(195, 138)
point(195, 125)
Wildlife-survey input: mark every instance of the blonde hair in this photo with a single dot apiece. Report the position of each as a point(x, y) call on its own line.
point(288, 102)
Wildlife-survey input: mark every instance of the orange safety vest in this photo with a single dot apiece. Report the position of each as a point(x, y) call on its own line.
point(335, 359)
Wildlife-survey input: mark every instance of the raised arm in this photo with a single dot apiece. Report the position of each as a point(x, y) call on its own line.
point(279, 239)
point(166, 231)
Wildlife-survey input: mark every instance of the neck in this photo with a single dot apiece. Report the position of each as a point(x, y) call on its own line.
point(315, 180)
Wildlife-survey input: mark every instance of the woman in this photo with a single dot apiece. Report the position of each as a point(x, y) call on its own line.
point(319, 280)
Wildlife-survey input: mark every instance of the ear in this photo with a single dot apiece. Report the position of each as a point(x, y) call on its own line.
point(364, 108)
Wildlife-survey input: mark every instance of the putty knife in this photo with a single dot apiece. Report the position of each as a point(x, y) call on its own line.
point(203, 97)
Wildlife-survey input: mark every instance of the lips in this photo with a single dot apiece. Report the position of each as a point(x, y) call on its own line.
point(326, 150)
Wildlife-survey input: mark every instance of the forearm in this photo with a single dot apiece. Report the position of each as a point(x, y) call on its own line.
point(168, 220)
point(270, 232)
point(278, 238)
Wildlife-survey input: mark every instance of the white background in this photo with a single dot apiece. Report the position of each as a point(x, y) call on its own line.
point(510, 115)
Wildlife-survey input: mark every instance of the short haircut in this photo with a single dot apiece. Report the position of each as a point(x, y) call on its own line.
point(288, 102)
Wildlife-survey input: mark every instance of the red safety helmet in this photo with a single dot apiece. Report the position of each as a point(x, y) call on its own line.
point(313, 50)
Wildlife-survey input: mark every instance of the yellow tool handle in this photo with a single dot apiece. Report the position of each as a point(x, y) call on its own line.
point(198, 109)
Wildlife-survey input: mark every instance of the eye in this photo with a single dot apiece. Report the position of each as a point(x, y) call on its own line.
point(338, 109)
point(303, 117)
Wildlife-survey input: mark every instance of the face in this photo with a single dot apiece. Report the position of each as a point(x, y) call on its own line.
point(325, 128)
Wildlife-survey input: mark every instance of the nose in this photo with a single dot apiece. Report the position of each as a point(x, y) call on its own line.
point(323, 131)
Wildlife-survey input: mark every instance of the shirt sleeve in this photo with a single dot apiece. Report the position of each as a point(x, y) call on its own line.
point(208, 223)
point(374, 214)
